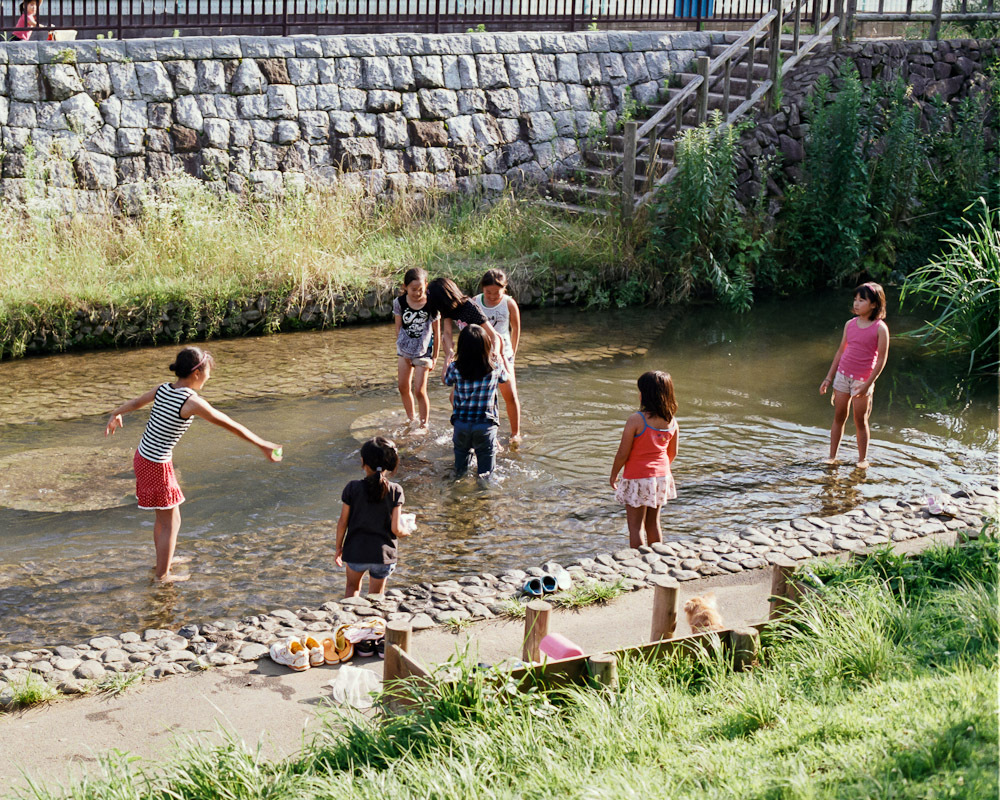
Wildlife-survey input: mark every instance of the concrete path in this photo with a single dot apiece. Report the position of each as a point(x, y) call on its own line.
point(268, 706)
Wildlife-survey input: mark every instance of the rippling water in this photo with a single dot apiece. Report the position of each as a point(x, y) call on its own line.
point(261, 536)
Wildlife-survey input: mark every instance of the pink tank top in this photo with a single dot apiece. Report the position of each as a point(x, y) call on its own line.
point(861, 352)
point(648, 458)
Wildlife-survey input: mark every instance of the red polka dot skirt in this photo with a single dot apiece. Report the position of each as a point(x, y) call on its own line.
point(156, 485)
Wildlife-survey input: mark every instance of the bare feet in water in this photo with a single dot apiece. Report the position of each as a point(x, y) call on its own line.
point(830, 462)
point(863, 464)
point(172, 577)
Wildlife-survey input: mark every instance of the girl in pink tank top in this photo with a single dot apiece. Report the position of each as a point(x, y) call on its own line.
point(648, 446)
point(858, 362)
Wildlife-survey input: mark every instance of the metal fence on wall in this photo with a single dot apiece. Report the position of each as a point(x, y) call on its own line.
point(132, 18)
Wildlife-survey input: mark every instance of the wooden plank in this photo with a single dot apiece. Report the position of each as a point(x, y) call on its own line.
point(738, 45)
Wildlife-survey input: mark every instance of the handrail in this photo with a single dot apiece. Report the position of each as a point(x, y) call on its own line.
point(726, 54)
point(809, 44)
point(654, 120)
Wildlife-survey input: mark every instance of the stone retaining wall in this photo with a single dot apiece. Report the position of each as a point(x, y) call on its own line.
point(157, 653)
point(944, 70)
point(85, 122)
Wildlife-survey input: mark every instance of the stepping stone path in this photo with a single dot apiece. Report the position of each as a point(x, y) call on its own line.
point(157, 653)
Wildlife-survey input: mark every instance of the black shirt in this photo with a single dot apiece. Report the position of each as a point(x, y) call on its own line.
point(369, 538)
point(469, 313)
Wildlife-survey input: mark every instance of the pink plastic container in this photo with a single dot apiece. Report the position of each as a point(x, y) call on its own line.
point(557, 646)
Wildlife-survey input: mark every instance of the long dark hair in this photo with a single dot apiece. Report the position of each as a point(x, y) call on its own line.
point(381, 456)
point(189, 359)
point(474, 360)
point(656, 395)
point(445, 297)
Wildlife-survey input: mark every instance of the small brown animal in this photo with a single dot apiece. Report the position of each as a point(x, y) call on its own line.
point(702, 614)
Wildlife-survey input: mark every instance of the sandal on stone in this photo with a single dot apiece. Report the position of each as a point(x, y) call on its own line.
point(549, 583)
point(533, 587)
point(329, 651)
point(290, 653)
point(343, 648)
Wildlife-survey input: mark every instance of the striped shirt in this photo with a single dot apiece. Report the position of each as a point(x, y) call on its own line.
point(165, 426)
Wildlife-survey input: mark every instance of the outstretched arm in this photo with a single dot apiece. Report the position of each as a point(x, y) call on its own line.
point(624, 448)
point(197, 406)
point(828, 380)
point(116, 420)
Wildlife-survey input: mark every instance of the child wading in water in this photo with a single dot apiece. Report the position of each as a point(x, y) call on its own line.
point(418, 337)
point(648, 446)
point(858, 362)
point(175, 405)
point(447, 299)
point(503, 314)
point(371, 519)
point(475, 416)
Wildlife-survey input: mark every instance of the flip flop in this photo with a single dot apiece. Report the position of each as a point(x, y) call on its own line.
point(329, 651)
point(342, 646)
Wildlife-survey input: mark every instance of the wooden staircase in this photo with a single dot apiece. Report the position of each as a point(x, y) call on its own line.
point(732, 78)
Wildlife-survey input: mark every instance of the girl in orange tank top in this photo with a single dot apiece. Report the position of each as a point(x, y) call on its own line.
point(648, 446)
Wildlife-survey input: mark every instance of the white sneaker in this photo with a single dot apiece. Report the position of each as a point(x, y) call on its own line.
point(316, 656)
point(290, 653)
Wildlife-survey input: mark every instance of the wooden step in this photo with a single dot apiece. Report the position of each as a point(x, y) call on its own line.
point(601, 176)
point(612, 158)
point(569, 192)
point(573, 208)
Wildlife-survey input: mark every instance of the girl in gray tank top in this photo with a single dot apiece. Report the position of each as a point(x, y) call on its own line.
point(175, 405)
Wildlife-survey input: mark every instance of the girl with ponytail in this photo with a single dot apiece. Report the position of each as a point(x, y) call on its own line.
point(175, 405)
point(371, 519)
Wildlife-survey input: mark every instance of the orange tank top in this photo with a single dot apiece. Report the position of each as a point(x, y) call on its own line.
point(649, 458)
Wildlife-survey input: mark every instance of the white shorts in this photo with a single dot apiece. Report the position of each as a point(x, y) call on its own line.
point(842, 383)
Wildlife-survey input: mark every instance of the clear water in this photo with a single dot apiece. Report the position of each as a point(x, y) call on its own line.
point(261, 536)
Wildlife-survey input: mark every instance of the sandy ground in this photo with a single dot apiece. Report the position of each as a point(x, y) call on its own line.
point(265, 705)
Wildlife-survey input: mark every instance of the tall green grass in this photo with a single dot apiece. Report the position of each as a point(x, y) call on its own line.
point(195, 249)
point(850, 701)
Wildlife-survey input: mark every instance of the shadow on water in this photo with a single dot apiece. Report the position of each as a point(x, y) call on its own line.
point(75, 553)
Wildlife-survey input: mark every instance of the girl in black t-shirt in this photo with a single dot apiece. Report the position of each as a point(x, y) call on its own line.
point(370, 520)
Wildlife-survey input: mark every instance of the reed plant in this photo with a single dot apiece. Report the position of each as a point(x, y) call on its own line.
point(962, 287)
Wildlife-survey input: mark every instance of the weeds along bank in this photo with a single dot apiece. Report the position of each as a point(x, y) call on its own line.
point(881, 682)
point(195, 265)
point(874, 162)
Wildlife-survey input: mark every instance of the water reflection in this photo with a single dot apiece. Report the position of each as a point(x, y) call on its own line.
point(753, 431)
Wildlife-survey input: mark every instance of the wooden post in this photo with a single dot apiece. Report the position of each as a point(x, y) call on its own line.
point(703, 64)
point(783, 589)
point(852, 8)
point(744, 643)
point(604, 670)
point(797, 28)
point(396, 633)
point(817, 15)
point(664, 609)
point(936, 7)
point(727, 77)
point(774, 55)
point(752, 59)
point(628, 170)
point(678, 121)
point(838, 30)
point(536, 628)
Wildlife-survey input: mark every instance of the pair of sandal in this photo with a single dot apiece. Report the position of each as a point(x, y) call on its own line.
point(547, 584)
point(301, 655)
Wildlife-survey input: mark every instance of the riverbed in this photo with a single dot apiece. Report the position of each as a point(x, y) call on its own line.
point(75, 552)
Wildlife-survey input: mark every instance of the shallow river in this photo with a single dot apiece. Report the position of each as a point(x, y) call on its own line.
point(75, 553)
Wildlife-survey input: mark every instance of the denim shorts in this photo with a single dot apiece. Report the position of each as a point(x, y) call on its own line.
point(376, 571)
point(846, 384)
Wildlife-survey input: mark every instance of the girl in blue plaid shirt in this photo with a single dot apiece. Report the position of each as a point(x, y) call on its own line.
point(474, 376)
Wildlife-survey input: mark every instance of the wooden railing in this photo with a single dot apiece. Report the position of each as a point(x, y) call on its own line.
point(667, 123)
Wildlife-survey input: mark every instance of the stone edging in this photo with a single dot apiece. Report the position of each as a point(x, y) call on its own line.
point(157, 653)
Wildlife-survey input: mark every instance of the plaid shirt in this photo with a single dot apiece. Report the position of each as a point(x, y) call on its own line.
point(475, 401)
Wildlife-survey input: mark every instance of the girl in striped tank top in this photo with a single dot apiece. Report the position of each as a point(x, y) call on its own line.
point(175, 405)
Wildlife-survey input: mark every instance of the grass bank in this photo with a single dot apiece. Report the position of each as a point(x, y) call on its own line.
point(881, 685)
point(189, 264)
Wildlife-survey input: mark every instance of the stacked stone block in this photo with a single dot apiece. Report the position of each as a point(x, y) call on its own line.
point(86, 120)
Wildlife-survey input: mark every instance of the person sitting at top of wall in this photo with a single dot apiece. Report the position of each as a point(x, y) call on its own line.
point(27, 23)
